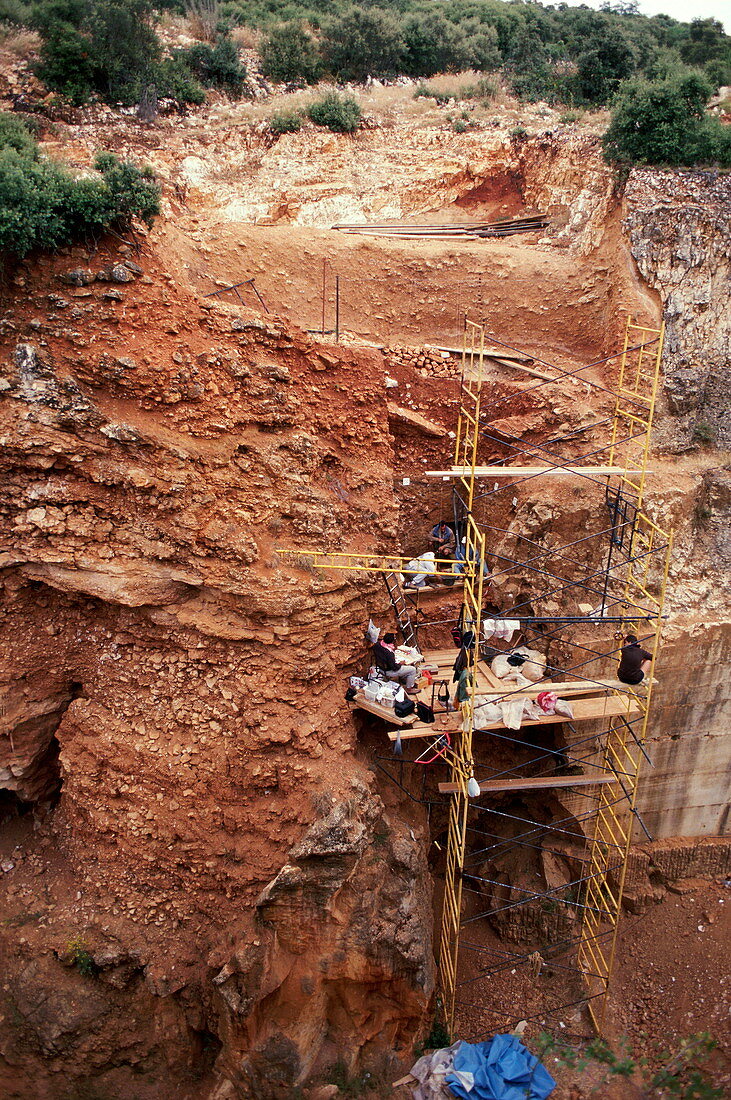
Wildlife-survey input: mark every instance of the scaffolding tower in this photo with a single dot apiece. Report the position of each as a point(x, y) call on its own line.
point(563, 798)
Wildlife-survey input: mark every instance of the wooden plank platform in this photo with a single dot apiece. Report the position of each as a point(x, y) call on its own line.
point(435, 589)
point(543, 783)
point(584, 711)
point(563, 688)
point(527, 471)
point(387, 713)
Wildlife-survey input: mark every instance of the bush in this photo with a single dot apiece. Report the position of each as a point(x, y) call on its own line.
point(362, 43)
point(434, 45)
point(338, 113)
point(605, 63)
point(285, 122)
point(79, 955)
point(109, 48)
point(425, 91)
point(44, 206)
point(215, 66)
point(173, 78)
point(289, 53)
point(665, 123)
point(102, 46)
point(14, 134)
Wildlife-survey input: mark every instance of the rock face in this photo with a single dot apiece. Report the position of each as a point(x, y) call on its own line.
point(182, 686)
point(340, 966)
point(679, 224)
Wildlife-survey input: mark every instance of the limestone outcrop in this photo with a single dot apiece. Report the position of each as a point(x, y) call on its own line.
point(679, 224)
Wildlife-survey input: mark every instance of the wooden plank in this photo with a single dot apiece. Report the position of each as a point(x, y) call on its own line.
point(527, 471)
point(585, 710)
point(387, 713)
point(433, 589)
point(543, 783)
point(501, 362)
point(562, 688)
point(491, 352)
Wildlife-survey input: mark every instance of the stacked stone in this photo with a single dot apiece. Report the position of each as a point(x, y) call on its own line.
point(429, 361)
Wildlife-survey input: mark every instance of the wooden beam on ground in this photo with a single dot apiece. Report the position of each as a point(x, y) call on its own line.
point(533, 371)
point(492, 353)
point(543, 783)
point(529, 471)
point(564, 688)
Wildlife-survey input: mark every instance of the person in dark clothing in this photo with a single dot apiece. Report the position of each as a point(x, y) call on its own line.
point(634, 662)
point(385, 659)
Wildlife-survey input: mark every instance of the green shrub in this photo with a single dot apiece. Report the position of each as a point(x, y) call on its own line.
point(424, 91)
point(602, 66)
point(173, 78)
point(103, 46)
point(14, 134)
point(78, 954)
point(364, 42)
point(109, 48)
point(432, 44)
point(665, 123)
point(704, 432)
point(215, 66)
point(15, 12)
point(290, 54)
point(285, 122)
point(338, 113)
point(44, 206)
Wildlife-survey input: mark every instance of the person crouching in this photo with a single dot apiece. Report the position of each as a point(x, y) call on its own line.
point(635, 662)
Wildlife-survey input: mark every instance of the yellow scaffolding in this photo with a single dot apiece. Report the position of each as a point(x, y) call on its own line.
point(649, 552)
point(634, 409)
point(641, 564)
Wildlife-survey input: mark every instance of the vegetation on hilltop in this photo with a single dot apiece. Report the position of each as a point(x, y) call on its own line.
point(574, 56)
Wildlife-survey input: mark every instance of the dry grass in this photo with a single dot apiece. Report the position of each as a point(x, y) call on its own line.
point(246, 38)
point(22, 43)
point(203, 17)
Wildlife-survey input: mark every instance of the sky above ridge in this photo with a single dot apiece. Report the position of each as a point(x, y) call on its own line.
point(681, 10)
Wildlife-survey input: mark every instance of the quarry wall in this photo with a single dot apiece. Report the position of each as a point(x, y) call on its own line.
point(254, 906)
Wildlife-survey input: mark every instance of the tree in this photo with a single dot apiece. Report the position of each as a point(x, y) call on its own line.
point(434, 45)
point(290, 53)
point(665, 123)
point(104, 46)
point(605, 63)
point(362, 43)
point(216, 66)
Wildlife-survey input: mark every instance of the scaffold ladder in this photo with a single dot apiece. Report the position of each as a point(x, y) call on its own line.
point(461, 760)
point(634, 410)
point(400, 607)
point(623, 752)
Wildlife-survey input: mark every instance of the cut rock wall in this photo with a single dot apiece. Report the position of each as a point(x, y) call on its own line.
point(189, 683)
point(679, 226)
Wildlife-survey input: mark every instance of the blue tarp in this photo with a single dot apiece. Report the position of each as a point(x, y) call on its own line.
point(502, 1068)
